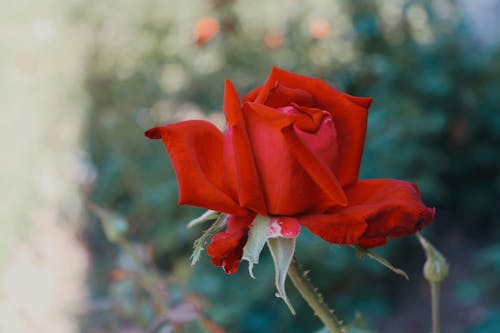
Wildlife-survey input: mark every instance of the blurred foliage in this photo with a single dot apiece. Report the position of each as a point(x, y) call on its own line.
point(140, 298)
point(434, 121)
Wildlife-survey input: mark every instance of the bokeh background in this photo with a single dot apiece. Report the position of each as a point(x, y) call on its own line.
point(81, 80)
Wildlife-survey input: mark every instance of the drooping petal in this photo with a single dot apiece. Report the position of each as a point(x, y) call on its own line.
point(239, 155)
point(335, 228)
point(390, 207)
point(288, 189)
point(226, 248)
point(378, 208)
point(349, 114)
point(195, 148)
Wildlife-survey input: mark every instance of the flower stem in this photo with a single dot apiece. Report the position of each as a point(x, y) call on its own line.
point(313, 298)
point(435, 306)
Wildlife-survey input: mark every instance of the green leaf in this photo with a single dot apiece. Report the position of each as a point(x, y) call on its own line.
point(282, 250)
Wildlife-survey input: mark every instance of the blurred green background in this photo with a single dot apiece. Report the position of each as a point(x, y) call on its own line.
point(99, 73)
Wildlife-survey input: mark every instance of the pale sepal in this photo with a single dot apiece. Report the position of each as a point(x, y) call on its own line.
point(257, 237)
point(282, 250)
point(362, 252)
point(202, 241)
point(207, 216)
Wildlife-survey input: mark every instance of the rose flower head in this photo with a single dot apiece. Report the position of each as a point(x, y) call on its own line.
point(289, 158)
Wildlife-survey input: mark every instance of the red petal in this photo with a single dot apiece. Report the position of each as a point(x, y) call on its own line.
point(281, 95)
point(349, 114)
point(361, 101)
point(288, 189)
point(319, 172)
point(226, 248)
point(240, 155)
point(308, 119)
point(284, 226)
point(334, 227)
point(378, 208)
point(350, 122)
point(288, 79)
point(195, 147)
point(250, 97)
point(390, 207)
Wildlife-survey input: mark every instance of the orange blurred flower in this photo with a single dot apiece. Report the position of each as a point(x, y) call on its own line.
point(205, 29)
point(273, 40)
point(118, 274)
point(319, 28)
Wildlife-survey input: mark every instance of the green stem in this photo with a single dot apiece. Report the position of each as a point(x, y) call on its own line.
point(435, 306)
point(313, 298)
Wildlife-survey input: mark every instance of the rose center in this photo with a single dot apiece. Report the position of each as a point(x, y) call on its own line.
point(315, 127)
point(288, 110)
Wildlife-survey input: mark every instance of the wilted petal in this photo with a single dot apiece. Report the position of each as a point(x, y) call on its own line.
point(378, 208)
point(335, 228)
point(284, 226)
point(226, 248)
point(390, 207)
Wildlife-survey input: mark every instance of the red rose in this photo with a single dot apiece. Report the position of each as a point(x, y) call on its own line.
point(291, 151)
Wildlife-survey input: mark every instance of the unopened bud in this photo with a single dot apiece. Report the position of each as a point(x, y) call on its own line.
point(436, 266)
